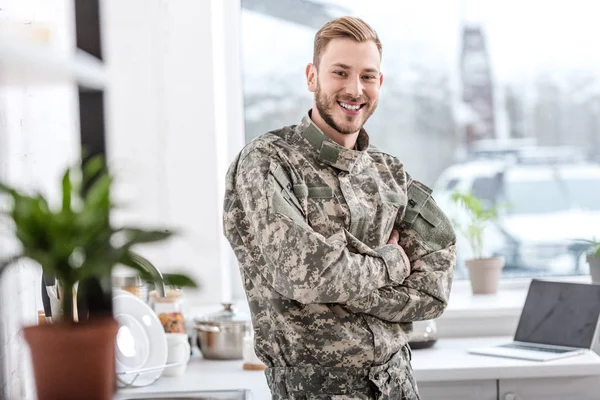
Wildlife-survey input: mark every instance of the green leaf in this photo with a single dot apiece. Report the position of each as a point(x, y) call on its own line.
point(593, 246)
point(32, 219)
point(92, 167)
point(67, 189)
point(42, 206)
point(137, 235)
point(179, 280)
point(480, 217)
point(98, 195)
point(10, 191)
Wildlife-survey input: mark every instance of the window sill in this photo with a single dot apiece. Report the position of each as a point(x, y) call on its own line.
point(470, 315)
point(467, 315)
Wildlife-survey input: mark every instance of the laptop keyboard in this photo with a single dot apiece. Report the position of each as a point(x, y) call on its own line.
point(534, 348)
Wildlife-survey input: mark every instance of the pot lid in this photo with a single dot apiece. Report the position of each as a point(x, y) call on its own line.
point(227, 315)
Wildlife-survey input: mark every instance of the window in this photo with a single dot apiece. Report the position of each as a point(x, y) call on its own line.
point(472, 93)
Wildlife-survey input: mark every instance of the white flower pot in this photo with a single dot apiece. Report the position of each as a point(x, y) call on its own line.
point(484, 274)
point(594, 262)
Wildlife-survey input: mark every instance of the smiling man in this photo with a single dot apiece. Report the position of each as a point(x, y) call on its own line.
point(340, 250)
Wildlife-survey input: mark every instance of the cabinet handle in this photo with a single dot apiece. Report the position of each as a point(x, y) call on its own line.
point(510, 396)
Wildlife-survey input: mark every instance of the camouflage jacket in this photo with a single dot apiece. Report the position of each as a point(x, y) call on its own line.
point(309, 221)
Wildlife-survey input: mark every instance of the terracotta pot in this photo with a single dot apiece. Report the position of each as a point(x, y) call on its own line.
point(484, 274)
point(594, 262)
point(74, 361)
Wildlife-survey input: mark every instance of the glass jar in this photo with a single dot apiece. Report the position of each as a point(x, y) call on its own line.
point(133, 284)
point(424, 334)
point(169, 310)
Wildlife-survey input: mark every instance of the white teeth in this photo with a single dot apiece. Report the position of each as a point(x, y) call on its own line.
point(349, 107)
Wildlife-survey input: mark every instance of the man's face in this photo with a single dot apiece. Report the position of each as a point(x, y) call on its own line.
point(346, 84)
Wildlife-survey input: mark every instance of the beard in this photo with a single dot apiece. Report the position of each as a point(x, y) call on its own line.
point(345, 125)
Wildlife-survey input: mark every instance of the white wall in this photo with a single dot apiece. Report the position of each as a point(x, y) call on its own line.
point(175, 121)
point(38, 135)
point(174, 102)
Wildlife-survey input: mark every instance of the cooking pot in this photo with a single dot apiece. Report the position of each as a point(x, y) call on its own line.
point(220, 336)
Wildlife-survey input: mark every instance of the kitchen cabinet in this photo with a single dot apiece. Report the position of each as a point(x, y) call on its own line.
point(572, 388)
point(460, 390)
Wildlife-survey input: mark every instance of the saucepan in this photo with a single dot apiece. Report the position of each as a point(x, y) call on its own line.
point(220, 336)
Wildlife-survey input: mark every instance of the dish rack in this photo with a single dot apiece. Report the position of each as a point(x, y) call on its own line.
point(140, 372)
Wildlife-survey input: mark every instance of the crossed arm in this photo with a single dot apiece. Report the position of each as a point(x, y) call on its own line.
point(429, 242)
point(398, 282)
point(298, 262)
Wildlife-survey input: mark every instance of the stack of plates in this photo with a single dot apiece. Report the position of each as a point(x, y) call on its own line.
point(141, 346)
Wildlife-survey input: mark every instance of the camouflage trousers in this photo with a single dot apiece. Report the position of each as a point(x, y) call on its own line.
point(390, 381)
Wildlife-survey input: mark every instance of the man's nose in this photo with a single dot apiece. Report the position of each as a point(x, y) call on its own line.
point(354, 87)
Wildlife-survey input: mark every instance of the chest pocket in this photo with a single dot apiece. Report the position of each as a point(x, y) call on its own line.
point(424, 216)
point(393, 205)
point(325, 213)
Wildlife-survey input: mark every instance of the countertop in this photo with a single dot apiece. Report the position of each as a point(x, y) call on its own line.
point(448, 360)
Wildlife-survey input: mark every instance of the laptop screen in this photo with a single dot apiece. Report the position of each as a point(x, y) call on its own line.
point(559, 313)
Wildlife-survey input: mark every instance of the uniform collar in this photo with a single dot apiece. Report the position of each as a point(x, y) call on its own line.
point(330, 152)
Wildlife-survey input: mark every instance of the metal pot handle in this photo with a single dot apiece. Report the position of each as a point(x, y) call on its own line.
point(209, 328)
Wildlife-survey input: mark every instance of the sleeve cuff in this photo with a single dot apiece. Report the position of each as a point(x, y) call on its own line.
point(394, 262)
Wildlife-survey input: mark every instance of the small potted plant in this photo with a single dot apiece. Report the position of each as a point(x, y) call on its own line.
point(75, 241)
point(593, 258)
point(484, 272)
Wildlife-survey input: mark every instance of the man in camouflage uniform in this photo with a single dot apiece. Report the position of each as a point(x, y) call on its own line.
point(340, 250)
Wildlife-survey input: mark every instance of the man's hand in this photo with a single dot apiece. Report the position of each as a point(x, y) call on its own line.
point(394, 237)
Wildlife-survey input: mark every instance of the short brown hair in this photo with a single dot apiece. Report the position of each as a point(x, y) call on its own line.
point(343, 27)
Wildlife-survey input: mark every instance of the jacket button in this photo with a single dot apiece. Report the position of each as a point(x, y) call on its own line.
point(411, 203)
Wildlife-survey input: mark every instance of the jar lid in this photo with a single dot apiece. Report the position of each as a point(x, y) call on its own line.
point(228, 315)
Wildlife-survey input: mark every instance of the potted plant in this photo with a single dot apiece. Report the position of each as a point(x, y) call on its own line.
point(484, 272)
point(75, 241)
point(593, 258)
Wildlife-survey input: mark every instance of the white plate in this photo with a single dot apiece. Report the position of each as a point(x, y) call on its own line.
point(141, 340)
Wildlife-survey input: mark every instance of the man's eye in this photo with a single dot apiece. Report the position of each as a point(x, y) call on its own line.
point(369, 77)
point(340, 73)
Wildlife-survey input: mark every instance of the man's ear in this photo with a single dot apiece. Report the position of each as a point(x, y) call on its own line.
point(311, 77)
point(380, 79)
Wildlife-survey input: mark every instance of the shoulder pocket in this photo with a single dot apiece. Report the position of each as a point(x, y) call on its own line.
point(283, 199)
point(285, 184)
point(421, 203)
point(424, 216)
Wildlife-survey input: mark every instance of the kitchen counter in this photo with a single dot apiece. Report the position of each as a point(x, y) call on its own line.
point(447, 361)
point(207, 375)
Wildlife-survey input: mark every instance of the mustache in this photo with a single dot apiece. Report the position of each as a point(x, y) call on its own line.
point(349, 99)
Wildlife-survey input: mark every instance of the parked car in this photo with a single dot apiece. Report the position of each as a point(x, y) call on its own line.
point(554, 197)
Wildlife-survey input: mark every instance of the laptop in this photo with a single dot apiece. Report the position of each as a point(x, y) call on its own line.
point(558, 320)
